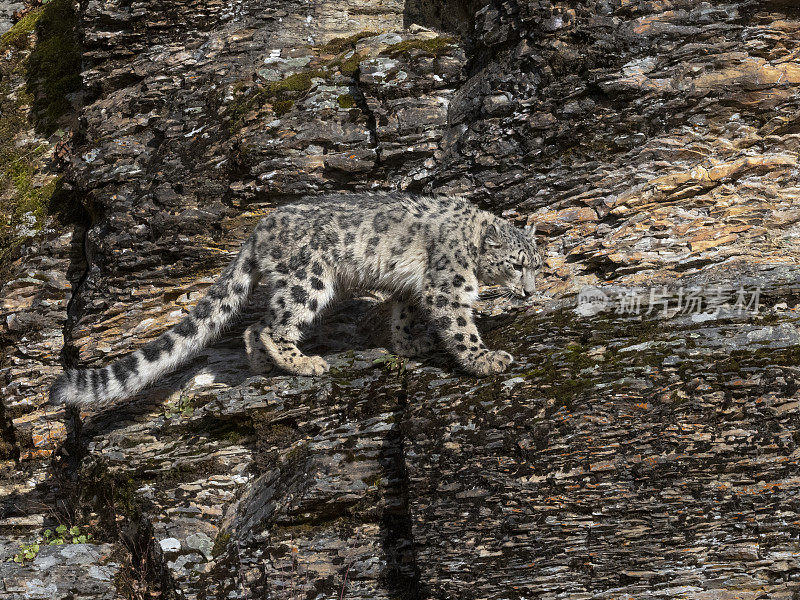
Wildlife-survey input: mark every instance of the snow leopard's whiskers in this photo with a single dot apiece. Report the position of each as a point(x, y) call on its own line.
point(496, 292)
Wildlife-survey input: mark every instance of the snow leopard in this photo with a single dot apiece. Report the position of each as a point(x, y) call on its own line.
point(428, 253)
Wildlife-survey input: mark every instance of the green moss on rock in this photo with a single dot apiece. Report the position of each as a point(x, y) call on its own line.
point(430, 47)
point(346, 101)
point(19, 35)
point(30, 199)
point(349, 67)
point(338, 45)
point(220, 543)
point(24, 195)
point(281, 107)
point(298, 82)
point(280, 94)
point(37, 75)
point(53, 69)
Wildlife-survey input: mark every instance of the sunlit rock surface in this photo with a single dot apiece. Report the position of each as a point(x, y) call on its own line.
point(638, 448)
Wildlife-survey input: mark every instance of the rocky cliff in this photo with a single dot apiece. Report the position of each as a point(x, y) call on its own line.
point(645, 444)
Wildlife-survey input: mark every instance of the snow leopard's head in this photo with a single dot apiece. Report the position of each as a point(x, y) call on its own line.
point(509, 258)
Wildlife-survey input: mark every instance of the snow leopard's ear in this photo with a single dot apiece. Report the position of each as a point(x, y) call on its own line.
point(493, 236)
point(530, 230)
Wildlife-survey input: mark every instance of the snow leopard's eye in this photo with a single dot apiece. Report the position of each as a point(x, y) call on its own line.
point(518, 267)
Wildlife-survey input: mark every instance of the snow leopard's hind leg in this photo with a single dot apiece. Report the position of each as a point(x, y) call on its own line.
point(257, 356)
point(410, 335)
point(273, 340)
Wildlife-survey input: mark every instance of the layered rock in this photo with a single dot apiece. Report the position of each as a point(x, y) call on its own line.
point(620, 455)
point(652, 143)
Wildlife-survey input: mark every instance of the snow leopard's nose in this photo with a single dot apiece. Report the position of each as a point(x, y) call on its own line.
point(528, 286)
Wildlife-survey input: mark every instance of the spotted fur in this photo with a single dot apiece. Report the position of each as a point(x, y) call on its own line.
point(430, 253)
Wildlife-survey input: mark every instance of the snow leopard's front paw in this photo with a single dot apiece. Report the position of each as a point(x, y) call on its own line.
point(419, 345)
point(308, 365)
point(494, 361)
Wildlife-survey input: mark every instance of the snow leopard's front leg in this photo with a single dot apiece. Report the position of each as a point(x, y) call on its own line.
point(448, 297)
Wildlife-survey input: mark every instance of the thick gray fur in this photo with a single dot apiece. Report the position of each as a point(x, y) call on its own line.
point(429, 253)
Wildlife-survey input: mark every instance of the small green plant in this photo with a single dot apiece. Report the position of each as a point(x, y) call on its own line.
point(52, 537)
point(392, 363)
point(26, 552)
point(182, 406)
point(64, 535)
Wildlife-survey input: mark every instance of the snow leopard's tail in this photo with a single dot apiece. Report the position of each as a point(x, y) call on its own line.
point(131, 373)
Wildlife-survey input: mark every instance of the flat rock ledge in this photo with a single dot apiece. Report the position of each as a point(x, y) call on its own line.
point(63, 571)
